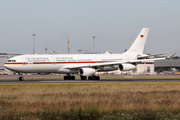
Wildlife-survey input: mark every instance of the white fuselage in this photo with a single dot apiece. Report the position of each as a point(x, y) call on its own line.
point(54, 63)
point(83, 64)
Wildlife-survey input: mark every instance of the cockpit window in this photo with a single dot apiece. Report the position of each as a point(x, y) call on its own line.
point(11, 60)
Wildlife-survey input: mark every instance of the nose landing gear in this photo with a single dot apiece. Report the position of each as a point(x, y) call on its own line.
point(21, 78)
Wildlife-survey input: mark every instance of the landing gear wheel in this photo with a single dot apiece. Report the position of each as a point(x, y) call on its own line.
point(93, 78)
point(89, 78)
point(21, 78)
point(65, 77)
point(83, 77)
point(69, 77)
point(72, 77)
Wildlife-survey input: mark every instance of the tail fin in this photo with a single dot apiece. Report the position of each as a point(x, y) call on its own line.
point(139, 43)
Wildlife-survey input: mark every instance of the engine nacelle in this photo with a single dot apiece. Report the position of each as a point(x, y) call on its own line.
point(126, 67)
point(86, 71)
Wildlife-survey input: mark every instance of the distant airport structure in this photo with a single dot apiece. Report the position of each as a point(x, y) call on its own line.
point(167, 66)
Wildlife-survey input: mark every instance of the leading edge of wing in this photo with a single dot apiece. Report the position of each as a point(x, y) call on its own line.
point(113, 63)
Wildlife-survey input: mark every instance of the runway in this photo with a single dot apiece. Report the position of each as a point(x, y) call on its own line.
point(86, 81)
point(46, 79)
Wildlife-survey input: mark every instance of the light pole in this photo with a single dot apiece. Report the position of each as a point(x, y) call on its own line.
point(33, 42)
point(94, 42)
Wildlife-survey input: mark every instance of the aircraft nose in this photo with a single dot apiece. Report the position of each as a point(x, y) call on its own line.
point(5, 65)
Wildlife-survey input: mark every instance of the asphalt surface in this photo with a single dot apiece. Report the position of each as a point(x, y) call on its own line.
point(85, 81)
point(54, 79)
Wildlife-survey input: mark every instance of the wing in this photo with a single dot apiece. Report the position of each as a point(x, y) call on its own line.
point(115, 63)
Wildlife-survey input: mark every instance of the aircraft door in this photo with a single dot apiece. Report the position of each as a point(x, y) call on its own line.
point(95, 60)
point(24, 61)
point(53, 60)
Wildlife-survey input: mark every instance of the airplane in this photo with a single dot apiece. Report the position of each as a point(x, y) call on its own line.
point(86, 65)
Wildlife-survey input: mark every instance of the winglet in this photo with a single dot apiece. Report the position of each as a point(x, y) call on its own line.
point(171, 56)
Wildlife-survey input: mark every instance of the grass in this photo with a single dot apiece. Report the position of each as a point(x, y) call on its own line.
point(146, 101)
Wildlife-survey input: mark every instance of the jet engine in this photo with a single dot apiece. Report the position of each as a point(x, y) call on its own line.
point(126, 67)
point(86, 71)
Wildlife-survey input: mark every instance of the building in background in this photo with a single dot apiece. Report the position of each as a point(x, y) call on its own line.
point(169, 66)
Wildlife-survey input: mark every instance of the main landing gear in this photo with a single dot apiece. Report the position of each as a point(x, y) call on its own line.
point(90, 77)
point(83, 77)
point(69, 77)
point(93, 77)
point(21, 78)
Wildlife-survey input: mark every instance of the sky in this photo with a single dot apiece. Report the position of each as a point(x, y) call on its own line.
point(115, 23)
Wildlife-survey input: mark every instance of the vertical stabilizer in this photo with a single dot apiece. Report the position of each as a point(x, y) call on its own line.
point(139, 43)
